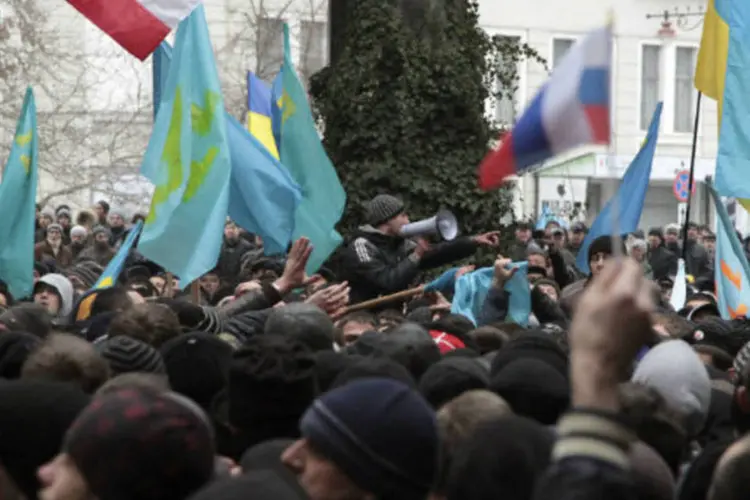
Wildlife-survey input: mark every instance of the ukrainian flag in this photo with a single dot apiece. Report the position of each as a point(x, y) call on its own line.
point(114, 268)
point(109, 277)
point(723, 73)
point(260, 112)
point(732, 271)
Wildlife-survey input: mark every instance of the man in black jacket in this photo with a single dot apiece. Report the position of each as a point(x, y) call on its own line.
point(378, 261)
point(663, 262)
point(234, 247)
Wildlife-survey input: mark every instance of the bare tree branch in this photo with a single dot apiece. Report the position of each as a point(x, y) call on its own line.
point(94, 109)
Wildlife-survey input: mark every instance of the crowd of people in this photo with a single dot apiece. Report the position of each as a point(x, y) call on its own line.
point(265, 385)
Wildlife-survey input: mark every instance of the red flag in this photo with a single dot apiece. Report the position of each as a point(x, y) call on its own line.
point(138, 25)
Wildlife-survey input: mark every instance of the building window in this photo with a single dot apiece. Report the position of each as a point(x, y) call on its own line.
point(650, 81)
point(683, 89)
point(313, 47)
point(507, 101)
point(269, 47)
point(560, 47)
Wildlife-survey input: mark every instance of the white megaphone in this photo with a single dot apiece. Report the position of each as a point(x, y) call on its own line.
point(443, 224)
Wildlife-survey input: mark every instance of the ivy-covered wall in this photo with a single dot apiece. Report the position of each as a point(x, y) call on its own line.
point(403, 110)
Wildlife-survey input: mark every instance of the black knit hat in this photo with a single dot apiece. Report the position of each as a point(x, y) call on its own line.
point(126, 354)
point(605, 244)
point(266, 456)
point(197, 365)
point(536, 345)
point(34, 416)
point(271, 383)
point(365, 368)
point(258, 485)
point(451, 377)
point(387, 445)
point(15, 347)
point(142, 444)
point(533, 389)
point(383, 208)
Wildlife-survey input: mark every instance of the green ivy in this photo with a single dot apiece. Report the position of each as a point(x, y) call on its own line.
point(404, 111)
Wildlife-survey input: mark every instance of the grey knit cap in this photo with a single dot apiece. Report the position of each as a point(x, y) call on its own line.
point(102, 229)
point(383, 208)
point(54, 227)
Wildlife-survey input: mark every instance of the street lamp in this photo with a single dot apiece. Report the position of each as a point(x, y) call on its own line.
point(686, 19)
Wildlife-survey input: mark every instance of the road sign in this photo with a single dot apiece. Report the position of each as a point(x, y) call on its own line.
point(681, 185)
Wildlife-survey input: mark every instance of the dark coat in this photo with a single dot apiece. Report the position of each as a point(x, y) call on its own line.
point(377, 264)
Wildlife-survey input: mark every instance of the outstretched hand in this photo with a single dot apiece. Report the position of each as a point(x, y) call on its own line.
point(331, 299)
point(294, 275)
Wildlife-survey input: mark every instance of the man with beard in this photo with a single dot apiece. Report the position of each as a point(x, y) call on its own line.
point(101, 252)
point(52, 248)
point(234, 247)
point(102, 211)
point(117, 228)
point(78, 239)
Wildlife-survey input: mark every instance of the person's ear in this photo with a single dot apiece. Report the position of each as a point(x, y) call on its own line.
point(743, 401)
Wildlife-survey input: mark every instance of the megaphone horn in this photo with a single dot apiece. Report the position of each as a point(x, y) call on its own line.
point(443, 224)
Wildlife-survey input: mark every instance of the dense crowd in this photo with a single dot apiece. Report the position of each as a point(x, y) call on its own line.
point(264, 384)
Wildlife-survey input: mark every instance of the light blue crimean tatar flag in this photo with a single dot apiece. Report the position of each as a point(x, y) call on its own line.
point(622, 213)
point(188, 160)
point(18, 204)
point(472, 288)
point(263, 197)
point(323, 197)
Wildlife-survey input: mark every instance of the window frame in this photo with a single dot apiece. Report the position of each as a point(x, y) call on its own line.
point(672, 89)
point(661, 85)
point(522, 95)
point(567, 37)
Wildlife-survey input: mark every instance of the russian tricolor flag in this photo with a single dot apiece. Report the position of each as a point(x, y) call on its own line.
point(138, 25)
point(572, 109)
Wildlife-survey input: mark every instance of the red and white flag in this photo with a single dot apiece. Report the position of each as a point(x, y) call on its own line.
point(138, 25)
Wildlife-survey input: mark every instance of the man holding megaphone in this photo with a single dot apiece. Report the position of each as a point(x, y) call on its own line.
point(388, 253)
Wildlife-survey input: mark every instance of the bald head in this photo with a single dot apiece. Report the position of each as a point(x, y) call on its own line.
point(730, 477)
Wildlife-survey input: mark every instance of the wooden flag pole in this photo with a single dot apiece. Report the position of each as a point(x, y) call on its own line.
point(168, 286)
point(369, 304)
point(692, 174)
point(195, 292)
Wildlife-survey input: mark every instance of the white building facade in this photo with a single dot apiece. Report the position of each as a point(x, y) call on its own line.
point(652, 61)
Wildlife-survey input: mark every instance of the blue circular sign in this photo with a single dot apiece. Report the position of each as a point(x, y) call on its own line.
point(681, 186)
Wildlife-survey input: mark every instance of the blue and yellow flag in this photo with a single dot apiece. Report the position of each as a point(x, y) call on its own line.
point(260, 113)
point(732, 272)
point(18, 204)
point(628, 201)
point(188, 160)
point(303, 155)
point(723, 73)
point(82, 310)
point(112, 272)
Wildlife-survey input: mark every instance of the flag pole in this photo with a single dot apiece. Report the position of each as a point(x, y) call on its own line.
point(692, 175)
point(616, 236)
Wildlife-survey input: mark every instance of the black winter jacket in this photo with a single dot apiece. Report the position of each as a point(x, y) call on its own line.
point(377, 264)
